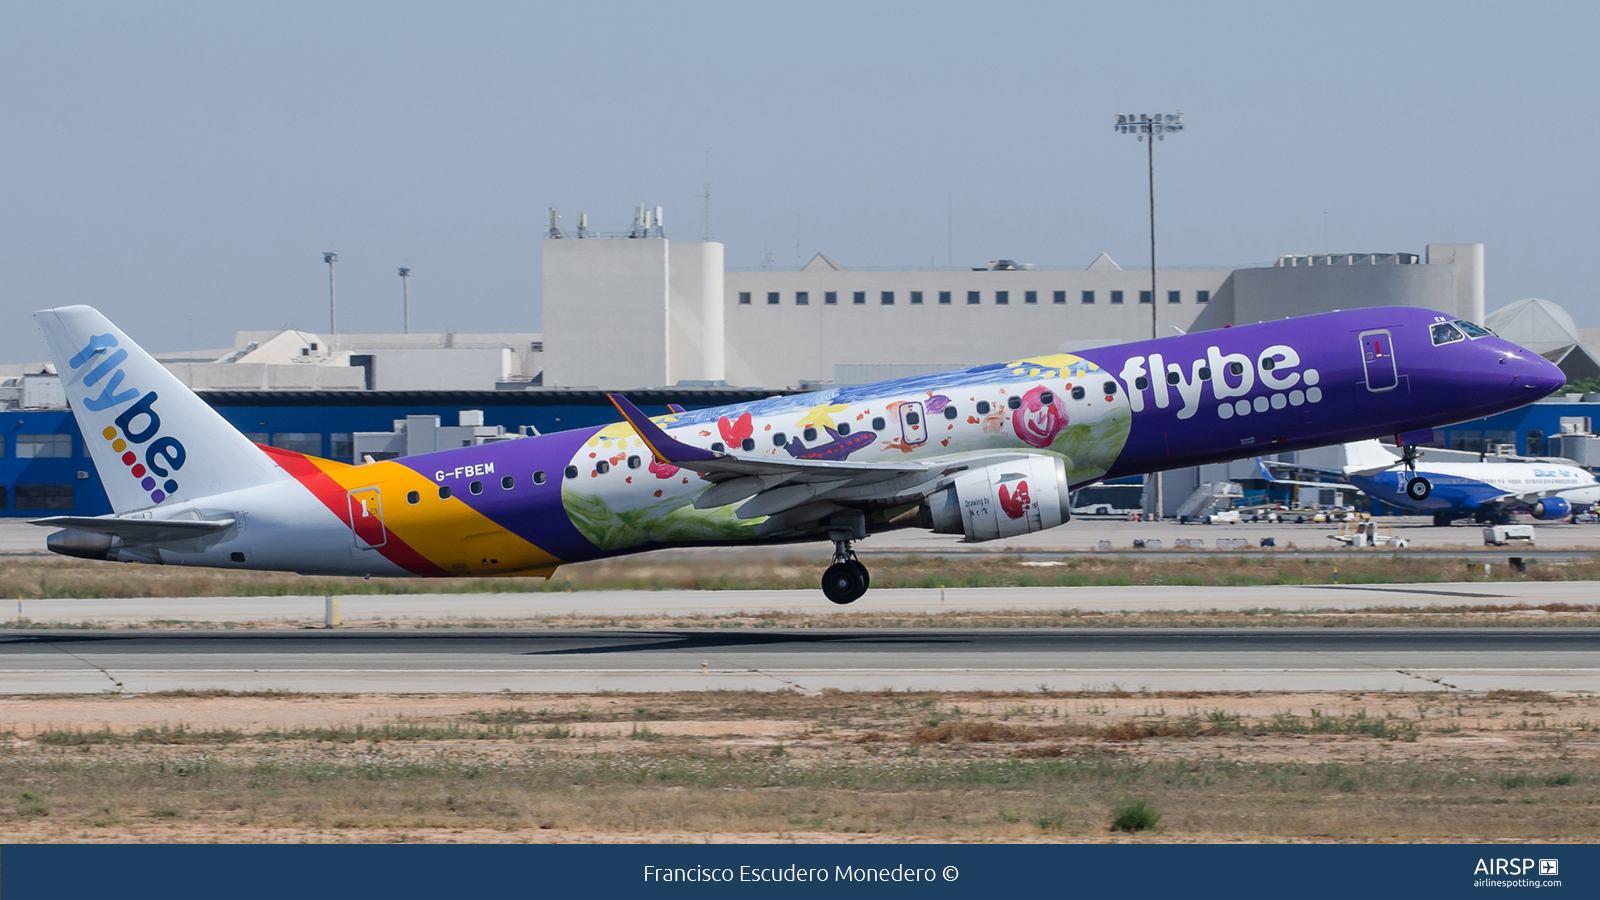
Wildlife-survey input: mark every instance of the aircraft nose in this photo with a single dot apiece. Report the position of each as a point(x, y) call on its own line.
point(1534, 376)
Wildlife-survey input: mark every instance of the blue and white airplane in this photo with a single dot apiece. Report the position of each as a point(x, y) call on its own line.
point(1485, 491)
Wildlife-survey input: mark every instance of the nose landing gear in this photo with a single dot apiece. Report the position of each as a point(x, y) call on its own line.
point(847, 579)
point(1417, 487)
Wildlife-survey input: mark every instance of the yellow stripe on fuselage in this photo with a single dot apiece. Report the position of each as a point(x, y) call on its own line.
point(447, 532)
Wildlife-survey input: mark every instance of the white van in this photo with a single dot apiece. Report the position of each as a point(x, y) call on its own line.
point(1501, 535)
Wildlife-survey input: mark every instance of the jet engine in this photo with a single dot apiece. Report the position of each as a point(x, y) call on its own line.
point(1551, 508)
point(1005, 499)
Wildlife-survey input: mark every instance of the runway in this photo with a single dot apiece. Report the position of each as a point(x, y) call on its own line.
point(807, 660)
point(376, 608)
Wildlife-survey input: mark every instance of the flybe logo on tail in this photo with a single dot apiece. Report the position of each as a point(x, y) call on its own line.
point(137, 426)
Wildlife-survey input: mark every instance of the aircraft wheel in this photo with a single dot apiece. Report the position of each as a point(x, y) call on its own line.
point(1418, 488)
point(866, 577)
point(843, 583)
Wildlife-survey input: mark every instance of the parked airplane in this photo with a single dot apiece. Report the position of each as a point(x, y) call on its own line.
point(1485, 491)
point(985, 452)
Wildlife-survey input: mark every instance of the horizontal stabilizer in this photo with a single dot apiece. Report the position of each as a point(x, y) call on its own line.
point(142, 531)
point(1367, 458)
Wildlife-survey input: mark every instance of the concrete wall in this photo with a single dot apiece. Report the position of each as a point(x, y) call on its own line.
point(695, 336)
point(782, 344)
point(436, 369)
point(1450, 281)
point(607, 300)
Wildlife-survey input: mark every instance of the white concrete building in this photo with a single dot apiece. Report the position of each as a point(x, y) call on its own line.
point(642, 311)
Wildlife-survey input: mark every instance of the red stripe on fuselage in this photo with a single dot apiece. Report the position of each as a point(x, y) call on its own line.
point(335, 497)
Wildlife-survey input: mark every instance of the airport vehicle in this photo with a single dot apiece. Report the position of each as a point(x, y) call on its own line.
point(985, 452)
point(1368, 534)
point(1501, 535)
point(1484, 491)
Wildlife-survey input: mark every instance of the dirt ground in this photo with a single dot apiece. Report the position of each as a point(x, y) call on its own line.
point(736, 766)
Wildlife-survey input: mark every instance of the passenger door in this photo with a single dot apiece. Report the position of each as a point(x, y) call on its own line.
point(913, 423)
point(1377, 359)
point(366, 519)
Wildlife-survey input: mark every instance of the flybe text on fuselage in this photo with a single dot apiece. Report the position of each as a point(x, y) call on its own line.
point(1172, 383)
point(137, 426)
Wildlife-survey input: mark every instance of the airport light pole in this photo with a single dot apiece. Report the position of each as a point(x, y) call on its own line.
point(1151, 127)
point(405, 290)
point(333, 306)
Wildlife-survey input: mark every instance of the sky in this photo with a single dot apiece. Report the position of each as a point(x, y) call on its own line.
point(183, 166)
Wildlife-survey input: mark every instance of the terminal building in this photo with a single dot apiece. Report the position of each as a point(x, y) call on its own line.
point(669, 323)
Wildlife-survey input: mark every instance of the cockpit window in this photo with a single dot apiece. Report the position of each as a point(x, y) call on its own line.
point(1474, 331)
point(1445, 333)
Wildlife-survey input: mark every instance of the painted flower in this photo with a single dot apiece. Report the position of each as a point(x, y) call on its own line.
point(1037, 422)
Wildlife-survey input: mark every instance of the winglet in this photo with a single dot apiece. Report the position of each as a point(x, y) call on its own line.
point(676, 408)
point(666, 448)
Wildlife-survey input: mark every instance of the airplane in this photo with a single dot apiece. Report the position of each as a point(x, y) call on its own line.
point(1483, 491)
point(987, 452)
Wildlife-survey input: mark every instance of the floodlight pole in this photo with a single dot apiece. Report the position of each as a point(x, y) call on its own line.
point(1150, 128)
point(333, 302)
point(405, 289)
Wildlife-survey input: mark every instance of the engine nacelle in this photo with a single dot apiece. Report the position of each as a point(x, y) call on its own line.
point(1551, 508)
point(1004, 500)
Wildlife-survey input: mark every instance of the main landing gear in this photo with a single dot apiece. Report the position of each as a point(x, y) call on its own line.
point(1417, 487)
point(847, 579)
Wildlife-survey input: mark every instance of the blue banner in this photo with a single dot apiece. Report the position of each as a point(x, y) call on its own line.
point(353, 872)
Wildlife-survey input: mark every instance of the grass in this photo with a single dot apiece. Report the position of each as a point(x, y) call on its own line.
point(978, 765)
point(30, 579)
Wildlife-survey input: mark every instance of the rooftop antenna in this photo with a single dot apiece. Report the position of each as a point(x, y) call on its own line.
point(583, 225)
point(706, 196)
point(661, 226)
point(555, 225)
point(405, 290)
point(333, 306)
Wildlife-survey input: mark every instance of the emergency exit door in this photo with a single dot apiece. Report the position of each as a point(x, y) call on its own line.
point(1377, 359)
point(366, 519)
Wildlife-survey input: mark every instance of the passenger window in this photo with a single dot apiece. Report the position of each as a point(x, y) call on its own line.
point(747, 444)
point(810, 434)
point(1235, 369)
point(602, 467)
point(717, 447)
point(1111, 387)
point(572, 472)
point(1205, 373)
point(444, 492)
point(983, 407)
point(878, 423)
point(634, 462)
point(413, 498)
point(913, 419)
point(1047, 398)
point(507, 483)
point(1267, 363)
point(1445, 333)
point(1077, 392)
point(538, 478)
point(779, 439)
point(476, 487)
point(950, 412)
point(844, 428)
point(1014, 401)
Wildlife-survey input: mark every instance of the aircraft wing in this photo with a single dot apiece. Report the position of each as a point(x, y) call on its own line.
point(794, 493)
point(143, 531)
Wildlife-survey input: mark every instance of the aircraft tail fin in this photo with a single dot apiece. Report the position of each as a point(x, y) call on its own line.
point(1367, 458)
point(1265, 472)
point(152, 439)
